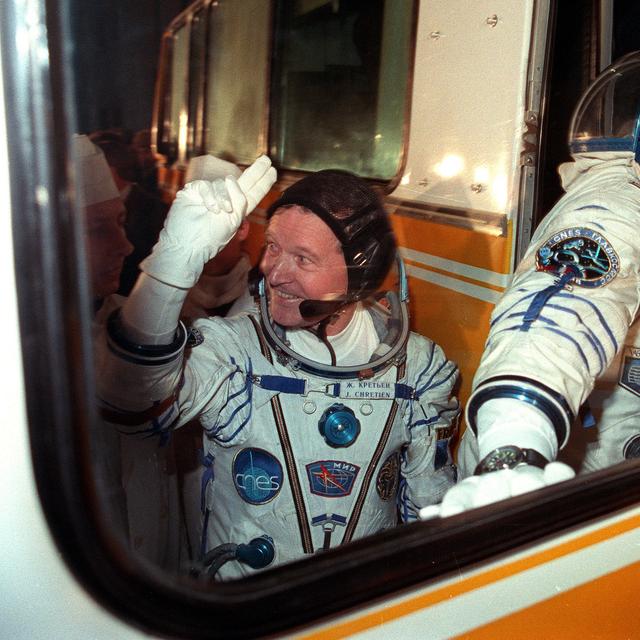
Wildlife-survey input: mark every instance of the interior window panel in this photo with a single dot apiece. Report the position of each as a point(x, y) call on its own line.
point(238, 48)
point(339, 89)
point(197, 70)
point(178, 116)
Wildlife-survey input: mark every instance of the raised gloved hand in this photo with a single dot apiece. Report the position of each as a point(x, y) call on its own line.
point(477, 491)
point(203, 218)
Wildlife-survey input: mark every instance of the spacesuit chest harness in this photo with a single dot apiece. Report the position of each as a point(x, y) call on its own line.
point(338, 426)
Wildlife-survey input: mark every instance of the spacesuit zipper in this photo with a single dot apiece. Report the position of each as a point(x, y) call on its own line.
point(357, 509)
point(364, 489)
point(296, 491)
point(294, 482)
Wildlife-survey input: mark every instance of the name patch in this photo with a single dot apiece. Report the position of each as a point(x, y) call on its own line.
point(581, 251)
point(332, 478)
point(257, 475)
point(368, 390)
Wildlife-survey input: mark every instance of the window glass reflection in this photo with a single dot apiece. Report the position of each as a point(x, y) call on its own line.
point(206, 463)
point(340, 85)
point(237, 77)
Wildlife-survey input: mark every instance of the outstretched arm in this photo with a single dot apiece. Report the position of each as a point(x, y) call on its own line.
point(142, 383)
point(202, 220)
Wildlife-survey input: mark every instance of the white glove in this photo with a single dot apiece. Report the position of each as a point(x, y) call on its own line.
point(203, 218)
point(477, 491)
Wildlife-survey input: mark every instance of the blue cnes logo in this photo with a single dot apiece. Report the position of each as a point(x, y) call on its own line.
point(257, 475)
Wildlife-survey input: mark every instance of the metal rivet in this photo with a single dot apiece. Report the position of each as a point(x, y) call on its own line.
point(366, 409)
point(309, 406)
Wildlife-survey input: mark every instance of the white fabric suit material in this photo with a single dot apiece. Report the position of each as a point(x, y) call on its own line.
point(575, 335)
point(306, 488)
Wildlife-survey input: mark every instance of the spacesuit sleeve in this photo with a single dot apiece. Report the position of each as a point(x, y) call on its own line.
point(558, 327)
point(147, 391)
point(428, 470)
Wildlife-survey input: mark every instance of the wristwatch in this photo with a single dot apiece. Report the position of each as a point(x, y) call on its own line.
point(508, 457)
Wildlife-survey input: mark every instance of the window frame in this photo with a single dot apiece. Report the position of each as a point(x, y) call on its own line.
point(49, 278)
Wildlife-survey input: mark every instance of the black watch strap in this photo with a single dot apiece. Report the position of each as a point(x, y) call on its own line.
point(508, 457)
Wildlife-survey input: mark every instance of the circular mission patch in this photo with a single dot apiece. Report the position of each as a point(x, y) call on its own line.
point(585, 252)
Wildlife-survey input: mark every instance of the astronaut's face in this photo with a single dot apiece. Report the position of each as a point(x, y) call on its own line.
point(302, 260)
point(107, 245)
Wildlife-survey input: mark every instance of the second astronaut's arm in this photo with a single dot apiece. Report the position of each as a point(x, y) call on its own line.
point(552, 335)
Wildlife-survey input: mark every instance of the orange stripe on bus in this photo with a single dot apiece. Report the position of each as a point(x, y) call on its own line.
point(602, 608)
point(453, 243)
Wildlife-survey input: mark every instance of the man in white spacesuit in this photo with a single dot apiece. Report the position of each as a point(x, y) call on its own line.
point(567, 321)
point(324, 418)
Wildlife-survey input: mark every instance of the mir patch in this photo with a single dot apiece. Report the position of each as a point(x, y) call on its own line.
point(332, 478)
point(584, 252)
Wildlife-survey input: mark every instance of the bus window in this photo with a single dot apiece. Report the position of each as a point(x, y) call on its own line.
point(238, 51)
point(196, 80)
point(328, 88)
point(339, 89)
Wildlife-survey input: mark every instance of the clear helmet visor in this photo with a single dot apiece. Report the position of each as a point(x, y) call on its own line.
point(371, 331)
point(607, 118)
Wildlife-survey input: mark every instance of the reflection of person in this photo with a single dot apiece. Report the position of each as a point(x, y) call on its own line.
point(564, 318)
point(145, 210)
point(107, 246)
point(104, 213)
point(133, 479)
point(322, 413)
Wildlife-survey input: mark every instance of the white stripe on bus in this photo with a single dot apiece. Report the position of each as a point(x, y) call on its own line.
point(467, 288)
point(457, 268)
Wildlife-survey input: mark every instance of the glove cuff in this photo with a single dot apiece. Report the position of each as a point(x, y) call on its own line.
point(172, 265)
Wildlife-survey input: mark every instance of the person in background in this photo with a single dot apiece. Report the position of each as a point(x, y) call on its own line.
point(558, 391)
point(145, 210)
point(147, 160)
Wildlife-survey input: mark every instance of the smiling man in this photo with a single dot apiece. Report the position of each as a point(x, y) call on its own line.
point(303, 260)
point(325, 419)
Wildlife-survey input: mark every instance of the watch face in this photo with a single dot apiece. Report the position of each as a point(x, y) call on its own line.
point(503, 458)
